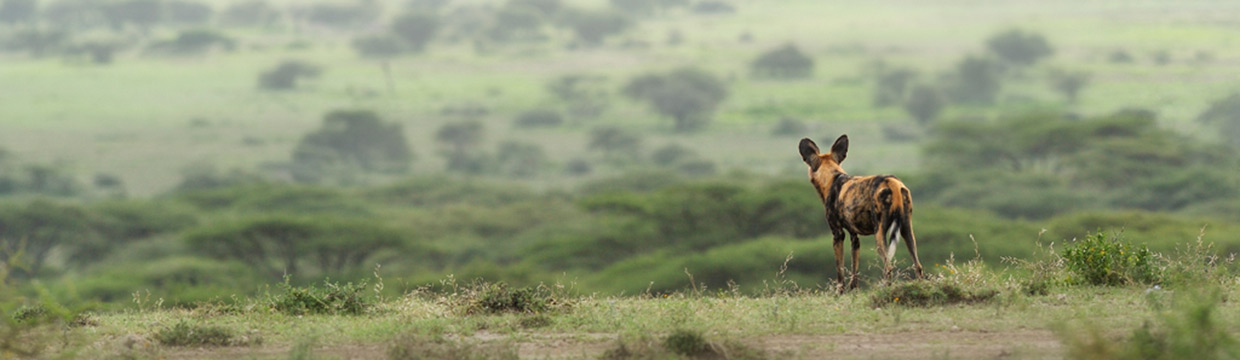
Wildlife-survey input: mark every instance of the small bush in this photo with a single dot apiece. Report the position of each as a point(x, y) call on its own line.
point(499, 297)
point(1100, 260)
point(184, 333)
point(930, 293)
point(786, 62)
point(578, 167)
point(39, 314)
point(195, 41)
point(1120, 57)
point(1018, 47)
point(285, 75)
point(539, 118)
point(416, 29)
point(332, 298)
point(535, 321)
point(686, 342)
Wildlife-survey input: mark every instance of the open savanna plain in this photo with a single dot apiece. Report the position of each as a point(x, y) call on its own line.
point(1078, 322)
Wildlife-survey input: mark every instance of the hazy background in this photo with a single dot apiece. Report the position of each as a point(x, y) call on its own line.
point(199, 148)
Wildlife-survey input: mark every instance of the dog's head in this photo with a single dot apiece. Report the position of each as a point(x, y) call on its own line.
point(824, 165)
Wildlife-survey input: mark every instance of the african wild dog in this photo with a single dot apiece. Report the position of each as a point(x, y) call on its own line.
point(864, 205)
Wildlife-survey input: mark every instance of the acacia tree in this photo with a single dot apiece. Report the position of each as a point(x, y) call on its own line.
point(688, 95)
point(1019, 48)
point(584, 96)
point(460, 143)
point(37, 228)
point(616, 143)
point(351, 140)
point(520, 159)
point(279, 244)
point(415, 29)
point(1225, 115)
point(592, 26)
point(517, 21)
point(975, 80)
point(891, 84)
point(786, 62)
point(285, 75)
point(1069, 83)
point(924, 103)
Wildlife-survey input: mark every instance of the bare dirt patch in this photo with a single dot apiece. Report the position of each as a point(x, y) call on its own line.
point(1023, 344)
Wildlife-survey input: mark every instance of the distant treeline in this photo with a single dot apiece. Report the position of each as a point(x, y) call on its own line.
point(642, 231)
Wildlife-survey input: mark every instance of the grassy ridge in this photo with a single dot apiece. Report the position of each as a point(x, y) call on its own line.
point(778, 325)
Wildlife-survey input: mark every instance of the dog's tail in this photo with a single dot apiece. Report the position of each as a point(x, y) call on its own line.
point(897, 215)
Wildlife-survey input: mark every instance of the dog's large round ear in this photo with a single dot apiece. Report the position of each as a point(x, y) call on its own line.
point(809, 153)
point(839, 150)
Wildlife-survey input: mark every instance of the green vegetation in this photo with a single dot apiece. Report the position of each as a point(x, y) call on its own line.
point(686, 342)
point(1100, 260)
point(612, 173)
point(481, 320)
point(184, 333)
point(330, 298)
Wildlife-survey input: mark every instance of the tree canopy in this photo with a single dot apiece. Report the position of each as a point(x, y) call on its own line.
point(351, 139)
point(688, 95)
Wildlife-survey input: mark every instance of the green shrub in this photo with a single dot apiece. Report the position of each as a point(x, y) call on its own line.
point(686, 342)
point(331, 298)
point(285, 75)
point(415, 29)
point(539, 118)
point(785, 62)
point(535, 321)
point(194, 41)
point(1018, 47)
point(1100, 260)
point(351, 142)
point(184, 333)
point(499, 297)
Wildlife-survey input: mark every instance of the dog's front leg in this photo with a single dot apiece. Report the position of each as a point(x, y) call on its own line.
point(838, 243)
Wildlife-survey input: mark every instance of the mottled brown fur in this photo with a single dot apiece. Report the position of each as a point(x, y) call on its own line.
point(861, 205)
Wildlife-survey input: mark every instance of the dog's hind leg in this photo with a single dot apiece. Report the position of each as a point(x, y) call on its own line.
point(838, 243)
point(856, 255)
point(911, 242)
